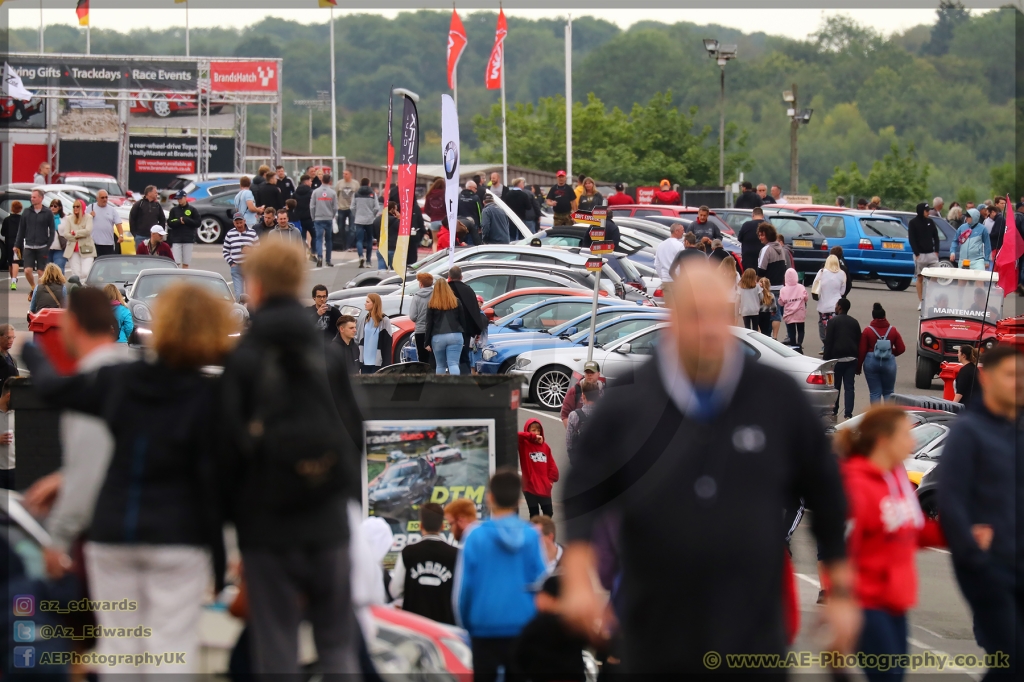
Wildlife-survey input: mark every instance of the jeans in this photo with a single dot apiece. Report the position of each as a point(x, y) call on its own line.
point(306, 227)
point(364, 233)
point(381, 265)
point(58, 259)
point(884, 634)
point(846, 374)
point(881, 376)
point(446, 349)
point(823, 319)
point(795, 330)
point(346, 228)
point(237, 281)
point(531, 225)
point(322, 232)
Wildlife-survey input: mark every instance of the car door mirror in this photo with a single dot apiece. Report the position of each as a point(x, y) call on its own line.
point(569, 332)
point(624, 349)
point(516, 323)
point(127, 291)
point(489, 312)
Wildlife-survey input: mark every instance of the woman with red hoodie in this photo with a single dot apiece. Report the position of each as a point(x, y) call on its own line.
point(880, 343)
point(885, 528)
point(539, 469)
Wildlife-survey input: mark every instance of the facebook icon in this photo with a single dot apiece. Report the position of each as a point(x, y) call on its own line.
point(24, 657)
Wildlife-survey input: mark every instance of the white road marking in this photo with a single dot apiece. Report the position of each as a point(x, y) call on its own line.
point(939, 550)
point(933, 634)
point(808, 579)
point(952, 668)
point(549, 415)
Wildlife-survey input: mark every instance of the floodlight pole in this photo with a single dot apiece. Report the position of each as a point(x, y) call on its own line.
point(794, 158)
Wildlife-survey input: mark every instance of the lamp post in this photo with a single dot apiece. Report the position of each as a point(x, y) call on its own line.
point(321, 103)
point(796, 117)
point(722, 54)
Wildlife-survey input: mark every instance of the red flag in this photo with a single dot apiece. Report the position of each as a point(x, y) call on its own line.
point(456, 44)
point(1009, 253)
point(495, 63)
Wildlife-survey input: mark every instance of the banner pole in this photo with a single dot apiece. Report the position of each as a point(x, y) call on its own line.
point(88, 37)
point(455, 86)
point(568, 97)
point(188, 47)
point(504, 135)
point(593, 315)
point(334, 109)
point(41, 27)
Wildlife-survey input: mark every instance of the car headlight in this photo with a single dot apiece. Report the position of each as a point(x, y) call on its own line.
point(238, 314)
point(350, 310)
point(522, 362)
point(142, 330)
point(142, 313)
point(489, 354)
point(928, 339)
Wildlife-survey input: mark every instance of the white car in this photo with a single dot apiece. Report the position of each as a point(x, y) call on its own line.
point(442, 454)
point(546, 374)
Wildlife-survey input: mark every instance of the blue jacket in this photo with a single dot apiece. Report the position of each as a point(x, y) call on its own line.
point(977, 485)
point(125, 323)
point(972, 241)
point(500, 560)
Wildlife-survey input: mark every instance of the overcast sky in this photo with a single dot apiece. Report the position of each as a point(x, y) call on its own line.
point(794, 23)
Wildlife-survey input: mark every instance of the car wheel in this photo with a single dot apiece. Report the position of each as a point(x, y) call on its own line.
point(897, 283)
point(926, 368)
point(210, 231)
point(550, 385)
point(161, 107)
point(929, 505)
point(402, 343)
point(19, 113)
point(507, 366)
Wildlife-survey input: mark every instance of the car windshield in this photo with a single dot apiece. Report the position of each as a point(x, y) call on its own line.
point(632, 274)
point(926, 434)
point(883, 228)
point(615, 331)
point(961, 299)
point(110, 186)
point(770, 343)
point(793, 227)
point(400, 475)
point(120, 270)
point(150, 286)
point(583, 322)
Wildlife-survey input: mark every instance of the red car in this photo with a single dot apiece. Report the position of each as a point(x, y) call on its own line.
point(166, 104)
point(800, 208)
point(18, 110)
point(521, 298)
point(95, 181)
point(667, 210)
point(439, 648)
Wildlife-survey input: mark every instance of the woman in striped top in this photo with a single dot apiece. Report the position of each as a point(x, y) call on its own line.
point(237, 243)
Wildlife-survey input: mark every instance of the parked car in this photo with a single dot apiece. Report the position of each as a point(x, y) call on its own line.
point(874, 246)
point(216, 214)
point(117, 194)
point(959, 308)
point(947, 233)
point(546, 375)
point(442, 453)
point(521, 299)
point(424, 648)
point(547, 315)
point(613, 322)
point(143, 292)
point(668, 211)
point(401, 485)
point(121, 270)
point(929, 429)
point(167, 104)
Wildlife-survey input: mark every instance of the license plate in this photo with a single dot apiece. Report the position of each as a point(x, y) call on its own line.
point(895, 246)
point(803, 244)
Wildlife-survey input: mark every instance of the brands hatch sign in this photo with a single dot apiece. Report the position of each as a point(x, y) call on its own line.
point(244, 76)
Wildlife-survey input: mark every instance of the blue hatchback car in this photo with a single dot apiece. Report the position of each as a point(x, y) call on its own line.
point(501, 354)
point(874, 246)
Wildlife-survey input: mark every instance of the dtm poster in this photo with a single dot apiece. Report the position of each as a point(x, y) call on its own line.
point(409, 463)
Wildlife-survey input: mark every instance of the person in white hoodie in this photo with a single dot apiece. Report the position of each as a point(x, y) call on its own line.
point(370, 540)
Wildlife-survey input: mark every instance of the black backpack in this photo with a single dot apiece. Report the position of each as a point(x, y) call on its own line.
point(295, 437)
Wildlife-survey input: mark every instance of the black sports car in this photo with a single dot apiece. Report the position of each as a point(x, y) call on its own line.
point(402, 485)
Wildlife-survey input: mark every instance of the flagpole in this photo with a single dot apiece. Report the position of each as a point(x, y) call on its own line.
point(504, 136)
point(568, 97)
point(455, 85)
point(41, 27)
point(187, 46)
point(334, 108)
point(88, 37)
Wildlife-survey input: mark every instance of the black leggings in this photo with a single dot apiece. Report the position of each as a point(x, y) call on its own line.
point(764, 322)
point(750, 322)
point(535, 504)
point(796, 333)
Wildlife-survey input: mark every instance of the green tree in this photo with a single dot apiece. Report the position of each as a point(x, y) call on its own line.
point(900, 180)
point(951, 14)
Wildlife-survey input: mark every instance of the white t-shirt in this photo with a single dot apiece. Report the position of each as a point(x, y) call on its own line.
point(664, 255)
point(7, 451)
point(103, 224)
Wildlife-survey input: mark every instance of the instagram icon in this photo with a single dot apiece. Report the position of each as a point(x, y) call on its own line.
point(24, 605)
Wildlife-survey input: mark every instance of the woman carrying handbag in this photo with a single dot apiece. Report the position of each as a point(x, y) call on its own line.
point(80, 250)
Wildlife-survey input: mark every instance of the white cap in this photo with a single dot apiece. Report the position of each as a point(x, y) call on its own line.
point(156, 229)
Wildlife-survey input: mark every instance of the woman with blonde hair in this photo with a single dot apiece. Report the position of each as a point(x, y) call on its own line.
point(125, 323)
point(373, 333)
point(766, 306)
point(52, 290)
point(749, 299)
point(446, 324)
point(828, 287)
point(81, 250)
point(590, 198)
point(156, 531)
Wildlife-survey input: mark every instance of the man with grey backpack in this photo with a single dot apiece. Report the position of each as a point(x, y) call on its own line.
point(880, 343)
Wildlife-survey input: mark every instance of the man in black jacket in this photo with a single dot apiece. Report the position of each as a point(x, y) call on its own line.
point(268, 194)
point(748, 197)
point(750, 243)
point(720, 444)
point(285, 184)
point(346, 343)
point(425, 571)
point(980, 493)
point(182, 223)
point(146, 213)
point(923, 236)
point(470, 208)
point(475, 321)
point(324, 316)
point(303, 195)
point(842, 340)
point(290, 504)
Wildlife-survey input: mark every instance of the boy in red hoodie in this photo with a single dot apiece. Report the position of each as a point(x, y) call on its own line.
point(538, 467)
point(885, 528)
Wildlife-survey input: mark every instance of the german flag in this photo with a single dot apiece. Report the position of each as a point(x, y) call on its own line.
point(328, 3)
point(82, 10)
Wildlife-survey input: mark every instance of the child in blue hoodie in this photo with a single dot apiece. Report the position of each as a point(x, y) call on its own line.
point(500, 561)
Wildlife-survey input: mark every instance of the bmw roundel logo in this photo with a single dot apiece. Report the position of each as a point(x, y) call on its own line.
point(451, 160)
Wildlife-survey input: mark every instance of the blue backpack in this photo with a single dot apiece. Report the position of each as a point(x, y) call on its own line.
point(883, 346)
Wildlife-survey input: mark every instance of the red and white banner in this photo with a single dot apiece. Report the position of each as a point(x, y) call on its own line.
point(496, 62)
point(243, 76)
point(456, 44)
point(408, 159)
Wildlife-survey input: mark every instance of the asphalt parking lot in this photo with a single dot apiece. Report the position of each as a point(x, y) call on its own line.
point(941, 623)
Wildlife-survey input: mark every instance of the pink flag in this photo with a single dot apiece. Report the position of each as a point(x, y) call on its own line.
point(1010, 252)
point(495, 63)
point(456, 44)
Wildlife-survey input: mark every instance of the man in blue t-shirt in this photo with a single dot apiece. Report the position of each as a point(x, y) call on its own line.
point(245, 202)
